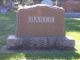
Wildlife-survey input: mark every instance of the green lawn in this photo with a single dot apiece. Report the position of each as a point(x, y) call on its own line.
point(73, 28)
point(7, 27)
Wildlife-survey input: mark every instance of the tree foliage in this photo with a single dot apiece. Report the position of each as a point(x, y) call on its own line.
point(37, 1)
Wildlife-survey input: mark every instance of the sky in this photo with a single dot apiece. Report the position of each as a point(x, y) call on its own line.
point(47, 2)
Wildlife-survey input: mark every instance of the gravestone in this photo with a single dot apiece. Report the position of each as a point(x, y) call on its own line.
point(39, 27)
point(40, 21)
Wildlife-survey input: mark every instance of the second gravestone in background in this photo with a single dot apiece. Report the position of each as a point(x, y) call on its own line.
point(40, 26)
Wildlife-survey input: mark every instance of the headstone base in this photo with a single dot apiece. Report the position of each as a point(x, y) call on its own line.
point(49, 42)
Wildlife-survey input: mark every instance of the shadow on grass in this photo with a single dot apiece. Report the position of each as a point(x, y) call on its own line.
point(35, 55)
point(6, 28)
point(72, 24)
point(68, 55)
point(8, 17)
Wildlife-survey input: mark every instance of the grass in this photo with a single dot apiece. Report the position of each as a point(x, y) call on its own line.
point(9, 16)
point(73, 28)
point(7, 27)
point(63, 55)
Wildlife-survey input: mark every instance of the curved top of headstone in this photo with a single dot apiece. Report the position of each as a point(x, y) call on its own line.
point(40, 5)
point(40, 20)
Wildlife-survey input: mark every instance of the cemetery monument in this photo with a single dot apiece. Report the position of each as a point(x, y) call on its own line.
point(40, 26)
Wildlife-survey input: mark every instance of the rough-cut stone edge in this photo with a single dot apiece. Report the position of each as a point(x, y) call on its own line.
point(40, 5)
point(59, 42)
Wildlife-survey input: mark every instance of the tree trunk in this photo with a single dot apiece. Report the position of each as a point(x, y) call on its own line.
point(1, 2)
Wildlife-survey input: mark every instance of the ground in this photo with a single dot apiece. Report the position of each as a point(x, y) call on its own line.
point(7, 27)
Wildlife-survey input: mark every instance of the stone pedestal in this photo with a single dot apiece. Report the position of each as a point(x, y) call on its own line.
point(48, 42)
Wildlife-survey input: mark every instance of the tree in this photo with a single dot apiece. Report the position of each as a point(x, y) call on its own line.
point(23, 1)
point(37, 1)
point(57, 1)
point(1, 2)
